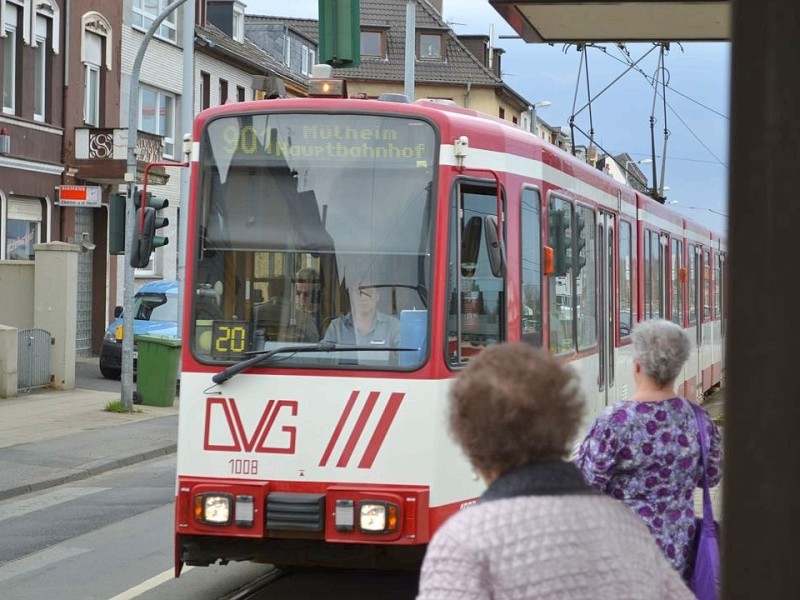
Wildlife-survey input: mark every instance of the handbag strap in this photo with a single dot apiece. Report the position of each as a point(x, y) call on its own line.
point(708, 515)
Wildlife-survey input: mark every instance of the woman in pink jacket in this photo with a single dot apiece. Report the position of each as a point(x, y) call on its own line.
point(538, 531)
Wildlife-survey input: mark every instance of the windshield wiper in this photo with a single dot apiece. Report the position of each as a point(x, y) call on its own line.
point(263, 355)
point(421, 290)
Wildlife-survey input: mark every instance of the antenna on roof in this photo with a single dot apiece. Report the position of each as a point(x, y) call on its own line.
point(491, 46)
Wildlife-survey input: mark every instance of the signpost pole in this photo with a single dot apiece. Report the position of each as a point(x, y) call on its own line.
point(130, 211)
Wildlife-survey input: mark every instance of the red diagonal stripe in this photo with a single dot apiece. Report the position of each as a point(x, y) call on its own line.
point(381, 430)
point(249, 443)
point(358, 429)
point(339, 426)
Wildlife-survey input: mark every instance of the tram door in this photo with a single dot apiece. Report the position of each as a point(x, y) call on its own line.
point(606, 278)
point(697, 257)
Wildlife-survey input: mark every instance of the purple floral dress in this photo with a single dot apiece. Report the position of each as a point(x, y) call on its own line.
point(647, 454)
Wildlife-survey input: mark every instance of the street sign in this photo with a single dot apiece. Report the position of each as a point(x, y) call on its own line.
point(87, 196)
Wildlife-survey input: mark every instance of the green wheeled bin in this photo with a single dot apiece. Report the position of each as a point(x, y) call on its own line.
point(157, 369)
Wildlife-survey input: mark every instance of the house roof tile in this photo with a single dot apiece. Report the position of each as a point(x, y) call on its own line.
point(245, 52)
point(459, 67)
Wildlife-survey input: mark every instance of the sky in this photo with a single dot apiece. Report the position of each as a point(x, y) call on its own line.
point(698, 98)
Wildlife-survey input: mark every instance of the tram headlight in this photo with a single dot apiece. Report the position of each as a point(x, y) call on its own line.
point(377, 517)
point(215, 509)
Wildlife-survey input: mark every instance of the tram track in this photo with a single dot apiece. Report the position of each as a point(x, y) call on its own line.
point(253, 588)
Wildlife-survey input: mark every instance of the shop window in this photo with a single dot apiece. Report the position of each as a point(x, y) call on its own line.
point(23, 228)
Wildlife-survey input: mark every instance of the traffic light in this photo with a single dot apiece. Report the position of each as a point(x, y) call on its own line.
point(116, 223)
point(147, 222)
point(558, 238)
point(580, 238)
point(340, 33)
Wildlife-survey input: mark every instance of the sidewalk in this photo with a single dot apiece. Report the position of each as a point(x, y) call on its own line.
point(51, 437)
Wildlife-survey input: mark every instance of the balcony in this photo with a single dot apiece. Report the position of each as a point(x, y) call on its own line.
point(101, 156)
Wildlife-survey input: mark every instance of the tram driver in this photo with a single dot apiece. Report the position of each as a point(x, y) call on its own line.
point(365, 325)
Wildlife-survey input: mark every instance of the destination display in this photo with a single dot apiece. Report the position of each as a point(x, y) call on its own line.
point(345, 138)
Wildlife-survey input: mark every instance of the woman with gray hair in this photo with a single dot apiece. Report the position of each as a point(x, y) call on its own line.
point(645, 451)
point(538, 531)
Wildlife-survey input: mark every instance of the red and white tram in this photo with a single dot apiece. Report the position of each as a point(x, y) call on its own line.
point(463, 228)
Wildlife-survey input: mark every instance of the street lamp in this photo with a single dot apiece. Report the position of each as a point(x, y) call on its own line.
point(534, 106)
point(644, 161)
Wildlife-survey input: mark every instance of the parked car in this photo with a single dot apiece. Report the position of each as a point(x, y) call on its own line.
point(155, 310)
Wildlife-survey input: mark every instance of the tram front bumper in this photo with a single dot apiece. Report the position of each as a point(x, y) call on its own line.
point(366, 514)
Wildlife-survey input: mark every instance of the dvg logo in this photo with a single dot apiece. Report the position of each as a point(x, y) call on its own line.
point(225, 432)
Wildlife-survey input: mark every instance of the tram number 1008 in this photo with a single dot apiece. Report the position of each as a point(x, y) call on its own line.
point(243, 466)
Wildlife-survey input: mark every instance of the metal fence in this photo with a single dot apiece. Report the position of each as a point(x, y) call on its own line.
point(33, 358)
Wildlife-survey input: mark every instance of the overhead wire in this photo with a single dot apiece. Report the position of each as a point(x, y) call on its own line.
point(589, 97)
point(653, 119)
point(629, 61)
point(664, 74)
point(584, 61)
point(575, 102)
point(660, 78)
point(654, 83)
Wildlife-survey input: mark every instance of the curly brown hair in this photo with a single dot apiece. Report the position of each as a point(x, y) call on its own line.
point(514, 404)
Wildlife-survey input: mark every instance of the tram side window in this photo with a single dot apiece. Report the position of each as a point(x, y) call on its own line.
point(625, 279)
point(718, 283)
point(561, 303)
point(707, 299)
point(586, 277)
point(476, 315)
point(531, 268)
point(676, 260)
point(692, 284)
point(653, 283)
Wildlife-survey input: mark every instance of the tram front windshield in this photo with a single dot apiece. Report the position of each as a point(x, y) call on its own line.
point(314, 228)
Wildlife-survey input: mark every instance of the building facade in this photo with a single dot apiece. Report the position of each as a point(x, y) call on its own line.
point(464, 70)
